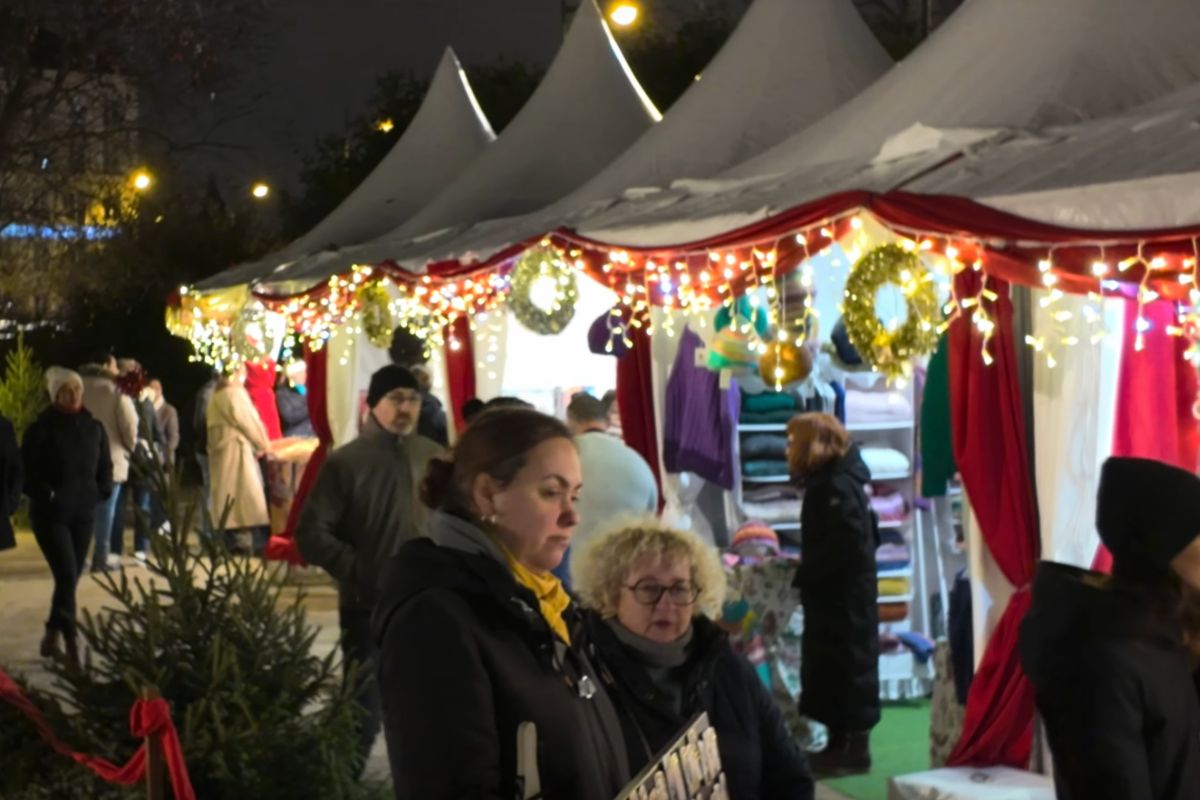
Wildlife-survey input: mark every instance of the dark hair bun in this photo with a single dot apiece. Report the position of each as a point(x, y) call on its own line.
point(438, 485)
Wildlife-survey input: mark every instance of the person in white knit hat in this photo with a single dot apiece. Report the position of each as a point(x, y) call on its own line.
point(68, 471)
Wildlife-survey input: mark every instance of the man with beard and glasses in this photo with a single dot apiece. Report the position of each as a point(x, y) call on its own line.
point(363, 507)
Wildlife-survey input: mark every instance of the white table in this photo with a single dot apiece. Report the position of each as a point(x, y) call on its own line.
point(965, 783)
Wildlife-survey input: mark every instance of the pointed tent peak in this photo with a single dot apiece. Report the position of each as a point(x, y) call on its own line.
point(450, 77)
point(587, 110)
point(1078, 60)
point(787, 64)
point(448, 133)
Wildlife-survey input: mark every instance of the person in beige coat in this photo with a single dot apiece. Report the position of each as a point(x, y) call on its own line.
point(118, 416)
point(236, 440)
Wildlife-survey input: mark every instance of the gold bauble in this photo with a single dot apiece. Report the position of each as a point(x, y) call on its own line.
point(785, 363)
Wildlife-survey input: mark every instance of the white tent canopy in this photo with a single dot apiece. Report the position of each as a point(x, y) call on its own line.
point(1003, 64)
point(447, 134)
point(1136, 170)
point(587, 110)
point(787, 64)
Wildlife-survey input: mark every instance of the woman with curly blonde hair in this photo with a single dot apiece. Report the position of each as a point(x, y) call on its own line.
point(839, 664)
point(650, 594)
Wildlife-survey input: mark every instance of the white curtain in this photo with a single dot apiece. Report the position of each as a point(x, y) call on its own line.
point(490, 332)
point(1074, 407)
point(352, 361)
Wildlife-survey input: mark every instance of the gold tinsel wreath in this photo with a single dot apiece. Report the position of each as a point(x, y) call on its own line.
point(377, 322)
point(891, 352)
point(532, 265)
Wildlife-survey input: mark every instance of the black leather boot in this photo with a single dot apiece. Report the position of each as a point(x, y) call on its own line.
point(848, 753)
point(50, 643)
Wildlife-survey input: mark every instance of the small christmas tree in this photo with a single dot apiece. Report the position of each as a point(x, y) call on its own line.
point(259, 714)
point(23, 389)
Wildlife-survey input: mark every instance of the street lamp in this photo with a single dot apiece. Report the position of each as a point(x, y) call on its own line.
point(141, 180)
point(624, 14)
point(260, 191)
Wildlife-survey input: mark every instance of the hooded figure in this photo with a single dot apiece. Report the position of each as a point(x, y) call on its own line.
point(1106, 654)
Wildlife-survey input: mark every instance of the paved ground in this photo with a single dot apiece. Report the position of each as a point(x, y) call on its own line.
point(25, 587)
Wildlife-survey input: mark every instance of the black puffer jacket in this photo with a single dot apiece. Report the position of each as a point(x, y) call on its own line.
point(760, 759)
point(839, 590)
point(465, 658)
point(68, 469)
point(1114, 686)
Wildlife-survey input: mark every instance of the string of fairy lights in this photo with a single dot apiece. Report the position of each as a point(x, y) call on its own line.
point(689, 286)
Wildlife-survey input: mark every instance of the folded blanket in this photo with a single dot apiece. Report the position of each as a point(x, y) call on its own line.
point(765, 445)
point(891, 536)
point(765, 467)
point(885, 461)
point(894, 587)
point(893, 612)
point(877, 407)
point(777, 511)
point(770, 494)
point(893, 556)
point(769, 401)
point(780, 417)
point(889, 504)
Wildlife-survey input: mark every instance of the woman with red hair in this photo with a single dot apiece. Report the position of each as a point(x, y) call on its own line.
point(839, 668)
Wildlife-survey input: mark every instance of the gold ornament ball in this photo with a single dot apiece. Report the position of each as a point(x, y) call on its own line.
point(785, 363)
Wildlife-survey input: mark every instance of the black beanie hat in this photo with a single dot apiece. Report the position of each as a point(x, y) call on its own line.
point(388, 378)
point(1147, 512)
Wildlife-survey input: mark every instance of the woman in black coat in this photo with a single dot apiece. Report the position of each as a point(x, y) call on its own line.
point(68, 470)
point(647, 588)
point(1107, 655)
point(486, 689)
point(839, 667)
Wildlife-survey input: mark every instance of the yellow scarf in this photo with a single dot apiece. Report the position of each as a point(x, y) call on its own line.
point(552, 597)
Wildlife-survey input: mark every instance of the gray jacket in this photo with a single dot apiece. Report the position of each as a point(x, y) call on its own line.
point(363, 506)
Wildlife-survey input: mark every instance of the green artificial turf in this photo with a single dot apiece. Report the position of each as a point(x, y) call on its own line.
point(899, 746)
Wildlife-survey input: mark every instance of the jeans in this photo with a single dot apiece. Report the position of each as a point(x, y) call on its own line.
point(106, 513)
point(141, 517)
point(64, 543)
point(359, 650)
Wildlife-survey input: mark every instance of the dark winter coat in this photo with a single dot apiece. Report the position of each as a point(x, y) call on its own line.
point(1114, 686)
point(363, 507)
point(465, 658)
point(760, 758)
point(839, 590)
point(293, 412)
point(11, 474)
point(68, 468)
point(432, 422)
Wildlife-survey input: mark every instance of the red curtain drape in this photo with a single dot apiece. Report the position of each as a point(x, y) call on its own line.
point(460, 367)
point(1155, 397)
point(635, 400)
point(283, 547)
point(988, 425)
point(260, 385)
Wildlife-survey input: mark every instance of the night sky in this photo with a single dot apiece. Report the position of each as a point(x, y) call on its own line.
point(317, 68)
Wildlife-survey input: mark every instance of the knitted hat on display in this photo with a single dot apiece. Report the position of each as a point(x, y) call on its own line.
point(388, 379)
point(1147, 512)
point(755, 531)
point(608, 331)
point(58, 377)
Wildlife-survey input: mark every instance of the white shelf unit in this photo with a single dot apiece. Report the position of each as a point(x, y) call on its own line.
point(901, 676)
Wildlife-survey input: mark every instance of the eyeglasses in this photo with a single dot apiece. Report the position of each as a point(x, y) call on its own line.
point(680, 594)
